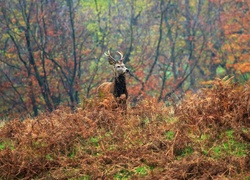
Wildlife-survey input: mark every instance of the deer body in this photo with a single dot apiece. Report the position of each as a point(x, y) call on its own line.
point(117, 88)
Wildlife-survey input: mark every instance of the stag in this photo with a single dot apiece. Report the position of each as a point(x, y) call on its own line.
point(117, 88)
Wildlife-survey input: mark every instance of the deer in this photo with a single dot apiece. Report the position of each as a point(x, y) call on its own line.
point(117, 88)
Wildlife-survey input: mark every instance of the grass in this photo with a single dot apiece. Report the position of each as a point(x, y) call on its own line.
point(203, 139)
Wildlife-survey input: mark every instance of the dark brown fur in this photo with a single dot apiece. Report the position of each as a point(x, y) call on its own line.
point(117, 89)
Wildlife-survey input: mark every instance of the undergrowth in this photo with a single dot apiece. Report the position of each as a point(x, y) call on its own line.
point(207, 137)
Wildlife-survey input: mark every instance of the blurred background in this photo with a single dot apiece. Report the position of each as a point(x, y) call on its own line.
point(52, 51)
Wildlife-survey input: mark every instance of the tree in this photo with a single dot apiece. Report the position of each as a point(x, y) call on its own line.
point(51, 52)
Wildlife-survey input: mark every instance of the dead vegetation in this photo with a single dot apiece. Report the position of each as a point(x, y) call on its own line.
point(207, 138)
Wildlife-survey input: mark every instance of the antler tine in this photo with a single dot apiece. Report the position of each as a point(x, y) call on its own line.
point(106, 53)
point(121, 59)
point(109, 55)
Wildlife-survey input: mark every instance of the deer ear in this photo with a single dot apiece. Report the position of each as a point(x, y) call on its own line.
point(111, 61)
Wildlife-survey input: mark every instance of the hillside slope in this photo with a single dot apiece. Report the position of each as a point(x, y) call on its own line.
point(206, 136)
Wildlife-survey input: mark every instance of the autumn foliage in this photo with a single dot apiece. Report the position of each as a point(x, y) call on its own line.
point(184, 120)
point(225, 105)
point(52, 52)
point(205, 136)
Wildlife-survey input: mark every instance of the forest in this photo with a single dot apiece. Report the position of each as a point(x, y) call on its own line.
point(187, 115)
point(52, 51)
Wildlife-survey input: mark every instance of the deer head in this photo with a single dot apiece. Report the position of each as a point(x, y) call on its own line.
point(119, 67)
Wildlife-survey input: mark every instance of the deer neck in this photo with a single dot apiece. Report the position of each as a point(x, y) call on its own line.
point(120, 86)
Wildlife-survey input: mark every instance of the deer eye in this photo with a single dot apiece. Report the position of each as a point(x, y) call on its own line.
point(118, 66)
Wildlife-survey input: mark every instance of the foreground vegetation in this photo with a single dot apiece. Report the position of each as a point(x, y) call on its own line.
point(206, 136)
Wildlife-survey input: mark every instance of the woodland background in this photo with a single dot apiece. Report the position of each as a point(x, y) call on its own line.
point(51, 51)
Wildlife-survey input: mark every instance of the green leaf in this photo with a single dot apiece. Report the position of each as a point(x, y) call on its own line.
point(142, 171)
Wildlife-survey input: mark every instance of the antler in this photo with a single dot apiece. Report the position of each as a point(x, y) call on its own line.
point(121, 56)
point(111, 59)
